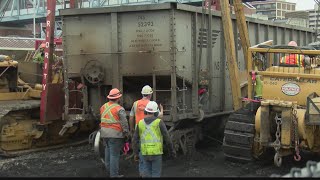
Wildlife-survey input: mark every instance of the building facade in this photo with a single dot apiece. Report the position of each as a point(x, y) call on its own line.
point(274, 9)
point(314, 17)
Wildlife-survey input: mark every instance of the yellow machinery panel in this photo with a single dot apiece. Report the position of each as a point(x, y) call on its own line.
point(287, 88)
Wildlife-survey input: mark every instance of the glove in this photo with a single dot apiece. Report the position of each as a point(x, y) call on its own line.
point(161, 108)
point(136, 158)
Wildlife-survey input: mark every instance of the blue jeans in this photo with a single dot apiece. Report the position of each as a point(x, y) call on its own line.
point(112, 155)
point(152, 166)
point(141, 167)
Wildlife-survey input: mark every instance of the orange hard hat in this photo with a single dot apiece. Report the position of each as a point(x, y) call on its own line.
point(292, 43)
point(43, 45)
point(114, 94)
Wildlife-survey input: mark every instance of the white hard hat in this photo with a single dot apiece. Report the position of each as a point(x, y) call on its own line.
point(146, 90)
point(152, 107)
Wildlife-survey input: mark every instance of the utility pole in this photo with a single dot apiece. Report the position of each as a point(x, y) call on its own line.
point(242, 27)
point(231, 54)
point(48, 58)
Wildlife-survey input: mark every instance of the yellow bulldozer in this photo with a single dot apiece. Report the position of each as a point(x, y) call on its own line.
point(282, 111)
point(19, 107)
point(20, 129)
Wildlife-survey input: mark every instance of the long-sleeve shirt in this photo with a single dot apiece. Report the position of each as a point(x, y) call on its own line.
point(163, 130)
point(112, 133)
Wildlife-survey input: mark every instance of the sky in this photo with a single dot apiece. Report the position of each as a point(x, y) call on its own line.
point(303, 4)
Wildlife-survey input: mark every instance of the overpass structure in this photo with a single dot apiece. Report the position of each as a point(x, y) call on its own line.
point(25, 11)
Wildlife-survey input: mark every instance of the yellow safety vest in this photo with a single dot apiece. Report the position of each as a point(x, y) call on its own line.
point(151, 140)
point(292, 59)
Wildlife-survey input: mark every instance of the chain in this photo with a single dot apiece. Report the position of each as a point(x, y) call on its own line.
point(277, 143)
point(297, 156)
point(312, 169)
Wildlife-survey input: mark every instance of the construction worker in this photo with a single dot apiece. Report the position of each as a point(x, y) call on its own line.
point(39, 58)
point(137, 113)
point(137, 110)
point(293, 59)
point(148, 138)
point(114, 131)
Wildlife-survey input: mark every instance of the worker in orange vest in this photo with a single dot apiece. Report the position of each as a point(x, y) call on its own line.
point(293, 59)
point(137, 114)
point(114, 130)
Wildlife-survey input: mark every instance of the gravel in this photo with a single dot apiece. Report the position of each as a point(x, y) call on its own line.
point(81, 161)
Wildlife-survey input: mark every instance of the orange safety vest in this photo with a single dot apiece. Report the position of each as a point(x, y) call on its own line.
point(109, 116)
point(292, 59)
point(140, 105)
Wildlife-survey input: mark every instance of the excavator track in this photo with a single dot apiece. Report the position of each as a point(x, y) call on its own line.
point(239, 134)
point(13, 107)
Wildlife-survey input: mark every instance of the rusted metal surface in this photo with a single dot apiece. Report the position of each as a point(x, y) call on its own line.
point(55, 101)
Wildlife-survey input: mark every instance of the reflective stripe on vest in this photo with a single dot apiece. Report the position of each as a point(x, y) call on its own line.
point(109, 118)
point(292, 59)
point(151, 138)
point(139, 109)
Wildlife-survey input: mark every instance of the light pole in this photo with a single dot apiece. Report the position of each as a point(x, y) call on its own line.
point(317, 19)
point(34, 18)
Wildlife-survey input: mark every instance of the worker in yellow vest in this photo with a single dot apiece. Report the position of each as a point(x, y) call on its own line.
point(137, 110)
point(114, 130)
point(293, 59)
point(148, 138)
point(137, 113)
point(39, 57)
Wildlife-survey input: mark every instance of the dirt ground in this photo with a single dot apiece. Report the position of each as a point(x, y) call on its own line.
point(81, 161)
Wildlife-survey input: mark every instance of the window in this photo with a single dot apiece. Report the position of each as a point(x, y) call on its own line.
point(279, 5)
point(266, 6)
point(293, 7)
point(278, 13)
point(273, 6)
point(284, 6)
point(314, 17)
